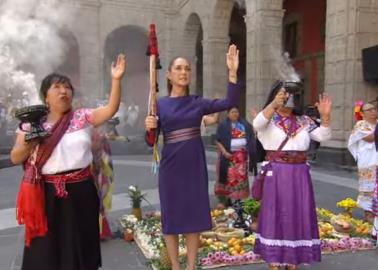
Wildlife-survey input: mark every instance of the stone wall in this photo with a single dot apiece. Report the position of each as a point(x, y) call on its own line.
point(350, 27)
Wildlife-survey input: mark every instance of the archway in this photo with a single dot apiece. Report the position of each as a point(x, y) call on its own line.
point(132, 41)
point(238, 36)
point(193, 36)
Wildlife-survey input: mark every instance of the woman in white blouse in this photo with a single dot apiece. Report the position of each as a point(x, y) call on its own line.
point(287, 231)
point(58, 201)
point(361, 145)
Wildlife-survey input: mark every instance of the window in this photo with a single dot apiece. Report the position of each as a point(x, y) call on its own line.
point(290, 38)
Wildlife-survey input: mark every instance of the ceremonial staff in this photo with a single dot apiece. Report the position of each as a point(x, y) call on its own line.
point(153, 53)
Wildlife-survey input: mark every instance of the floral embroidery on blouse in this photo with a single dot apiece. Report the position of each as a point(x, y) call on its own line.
point(367, 173)
point(80, 119)
point(301, 122)
point(362, 125)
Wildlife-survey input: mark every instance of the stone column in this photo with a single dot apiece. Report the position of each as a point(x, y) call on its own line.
point(264, 43)
point(215, 72)
point(350, 27)
point(87, 32)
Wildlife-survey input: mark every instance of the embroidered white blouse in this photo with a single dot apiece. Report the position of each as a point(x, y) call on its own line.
point(363, 152)
point(74, 149)
point(366, 157)
point(271, 132)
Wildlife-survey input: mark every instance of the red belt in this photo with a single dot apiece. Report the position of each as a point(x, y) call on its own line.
point(60, 180)
point(287, 156)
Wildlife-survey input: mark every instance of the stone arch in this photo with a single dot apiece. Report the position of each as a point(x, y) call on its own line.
point(238, 36)
point(228, 27)
point(193, 50)
point(131, 40)
point(220, 18)
point(215, 44)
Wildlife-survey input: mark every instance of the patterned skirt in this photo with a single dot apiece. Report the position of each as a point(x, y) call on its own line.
point(366, 182)
point(237, 185)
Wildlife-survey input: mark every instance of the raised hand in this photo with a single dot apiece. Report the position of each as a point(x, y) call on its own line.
point(324, 105)
point(233, 59)
point(118, 68)
point(280, 99)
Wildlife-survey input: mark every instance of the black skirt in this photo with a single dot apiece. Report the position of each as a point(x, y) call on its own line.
point(73, 239)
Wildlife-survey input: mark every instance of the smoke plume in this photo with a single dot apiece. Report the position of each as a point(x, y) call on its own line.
point(285, 69)
point(30, 45)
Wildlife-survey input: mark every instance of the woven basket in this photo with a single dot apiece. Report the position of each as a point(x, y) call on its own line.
point(227, 234)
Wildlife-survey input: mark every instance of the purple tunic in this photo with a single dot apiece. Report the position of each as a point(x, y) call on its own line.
point(183, 180)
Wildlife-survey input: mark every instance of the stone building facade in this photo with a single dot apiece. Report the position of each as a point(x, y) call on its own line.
point(201, 30)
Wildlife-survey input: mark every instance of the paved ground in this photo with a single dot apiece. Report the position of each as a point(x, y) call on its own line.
point(330, 186)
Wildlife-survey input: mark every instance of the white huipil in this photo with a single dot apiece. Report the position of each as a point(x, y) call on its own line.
point(271, 134)
point(73, 151)
point(288, 233)
point(365, 155)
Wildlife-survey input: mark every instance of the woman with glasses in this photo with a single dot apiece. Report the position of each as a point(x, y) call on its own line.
point(362, 147)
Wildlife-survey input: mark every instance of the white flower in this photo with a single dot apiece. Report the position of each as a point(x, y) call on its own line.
point(132, 219)
point(132, 188)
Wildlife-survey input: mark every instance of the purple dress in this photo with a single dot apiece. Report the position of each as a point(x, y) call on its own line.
point(183, 180)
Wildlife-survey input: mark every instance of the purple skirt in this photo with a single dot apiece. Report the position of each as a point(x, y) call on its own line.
point(287, 229)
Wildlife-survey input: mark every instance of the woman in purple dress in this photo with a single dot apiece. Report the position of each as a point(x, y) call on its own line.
point(287, 232)
point(183, 180)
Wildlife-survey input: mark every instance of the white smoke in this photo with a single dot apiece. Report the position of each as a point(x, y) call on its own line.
point(30, 45)
point(285, 69)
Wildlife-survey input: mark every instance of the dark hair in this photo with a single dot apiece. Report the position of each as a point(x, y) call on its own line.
point(169, 85)
point(277, 85)
point(50, 80)
point(233, 107)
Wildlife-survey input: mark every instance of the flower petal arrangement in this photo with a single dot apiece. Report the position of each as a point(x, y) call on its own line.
point(216, 250)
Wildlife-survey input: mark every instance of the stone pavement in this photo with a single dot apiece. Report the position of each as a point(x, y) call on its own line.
point(330, 186)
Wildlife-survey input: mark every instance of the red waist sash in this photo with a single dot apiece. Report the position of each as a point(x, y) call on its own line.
point(60, 180)
point(287, 156)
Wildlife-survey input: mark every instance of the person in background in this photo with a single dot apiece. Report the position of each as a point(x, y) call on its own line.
point(103, 174)
point(236, 144)
point(361, 145)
